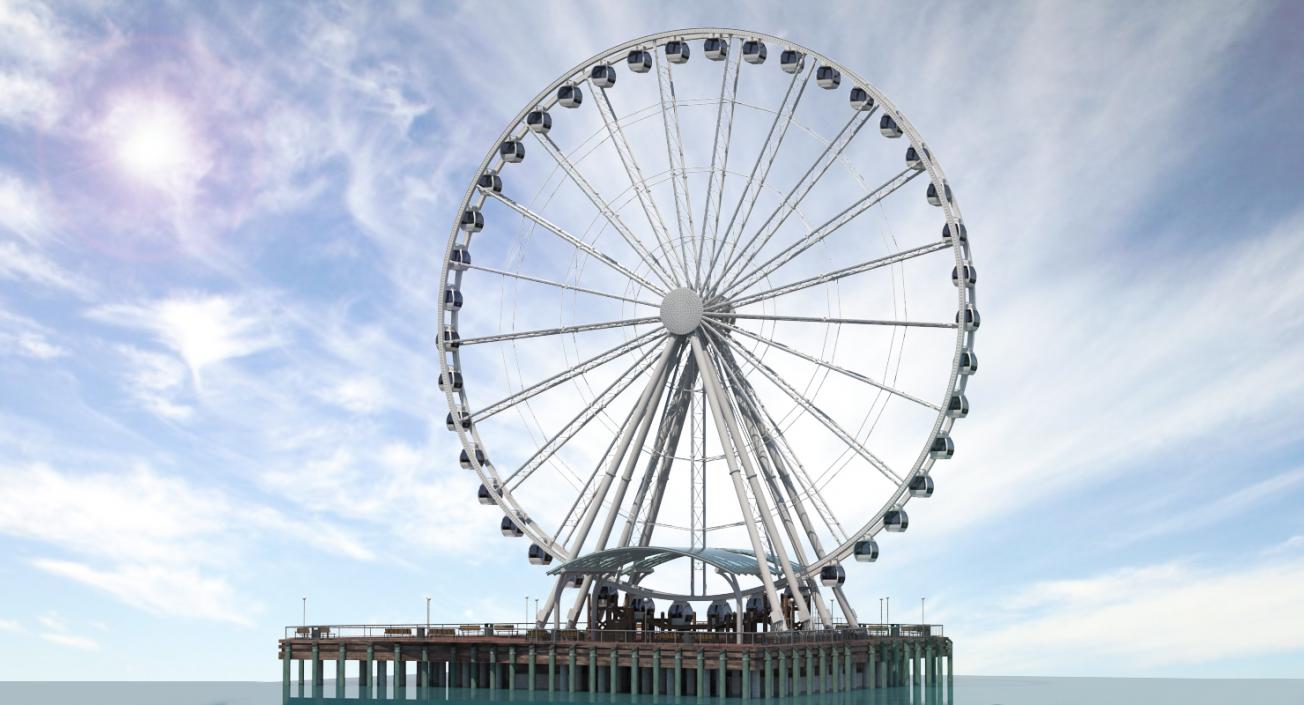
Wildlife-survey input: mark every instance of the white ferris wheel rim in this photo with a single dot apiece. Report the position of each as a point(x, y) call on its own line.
point(578, 74)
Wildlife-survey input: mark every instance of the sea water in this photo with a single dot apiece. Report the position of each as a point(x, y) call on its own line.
point(969, 690)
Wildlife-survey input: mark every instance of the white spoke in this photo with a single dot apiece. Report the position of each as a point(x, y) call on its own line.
point(675, 156)
point(761, 169)
point(743, 281)
point(713, 315)
point(837, 274)
point(605, 208)
point(719, 157)
point(559, 285)
point(544, 332)
point(797, 194)
point(582, 419)
point(574, 241)
point(562, 377)
point(634, 173)
point(817, 413)
point(830, 366)
point(660, 460)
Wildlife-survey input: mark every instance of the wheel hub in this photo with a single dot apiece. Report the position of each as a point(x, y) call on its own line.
point(681, 311)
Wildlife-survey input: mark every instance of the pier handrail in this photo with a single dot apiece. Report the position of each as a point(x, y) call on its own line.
point(529, 632)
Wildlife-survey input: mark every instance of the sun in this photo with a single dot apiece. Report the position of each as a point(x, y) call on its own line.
point(154, 142)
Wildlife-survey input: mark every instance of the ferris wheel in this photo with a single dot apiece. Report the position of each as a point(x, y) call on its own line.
point(707, 289)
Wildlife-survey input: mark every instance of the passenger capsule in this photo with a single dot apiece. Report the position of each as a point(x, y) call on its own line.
point(715, 48)
point(913, 159)
point(968, 362)
point(510, 529)
point(969, 318)
point(484, 495)
point(459, 258)
point(946, 232)
point(538, 556)
point(464, 459)
point(472, 220)
point(791, 61)
point(719, 613)
point(895, 520)
point(643, 607)
point(452, 299)
point(603, 76)
point(889, 127)
point(677, 52)
point(943, 448)
point(512, 151)
point(754, 51)
point(606, 597)
point(490, 181)
point(570, 96)
point(964, 275)
point(680, 614)
point(933, 199)
point(861, 99)
point(450, 381)
point(639, 60)
point(866, 551)
point(458, 418)
point(828, 77)
point(449, 338)
point(921, 486)
point(539, 121)
point(958, 406)
point(832, 575)
point(757, 605)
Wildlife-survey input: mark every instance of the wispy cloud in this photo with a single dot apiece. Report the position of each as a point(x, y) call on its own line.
point(72, 641)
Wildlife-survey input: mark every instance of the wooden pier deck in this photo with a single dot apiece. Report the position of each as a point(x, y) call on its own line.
point(520, 657)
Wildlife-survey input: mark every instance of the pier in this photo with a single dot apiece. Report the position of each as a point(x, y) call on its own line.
point(394, 660)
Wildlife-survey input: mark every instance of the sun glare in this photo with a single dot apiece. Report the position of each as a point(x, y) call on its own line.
point(154, 143)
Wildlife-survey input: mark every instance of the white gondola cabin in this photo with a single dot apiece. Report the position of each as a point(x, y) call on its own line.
point(719, 614)
point(921, 486)
point(861, 99)
point(639, 61)
point(512, 151)
point(680, 614)
point(509, 528)
point(934, 199)
point(450, 381)
point(754, 51)
point(464, 458)
point(716, 49)
point(538, 556)
point(896, 520)
point(452, 299)
point(472, 220)
point(942, 448)
point(459, 258)
point(968, 362)
point(791, 61)
point(459, 418)
point(570, 96)
point(828, 77)
point(866, 551)
point(677, 52)
point(603, 76)
point(539, 121)
point(964, 275)
point(490, 181)
point(449, 339)
point(968, 319)
point(833, 575)
point(888, 127)
point(947, 229)
point(958, 406)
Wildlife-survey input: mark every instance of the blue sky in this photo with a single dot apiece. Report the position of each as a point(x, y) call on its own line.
point(218, 372)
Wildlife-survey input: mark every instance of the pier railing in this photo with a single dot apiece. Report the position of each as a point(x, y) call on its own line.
point(530, 633)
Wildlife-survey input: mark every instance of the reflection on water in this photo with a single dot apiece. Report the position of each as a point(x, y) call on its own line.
point(969, 690)
point(882, 696)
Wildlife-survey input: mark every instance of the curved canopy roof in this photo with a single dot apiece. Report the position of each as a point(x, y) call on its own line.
point(645, 559)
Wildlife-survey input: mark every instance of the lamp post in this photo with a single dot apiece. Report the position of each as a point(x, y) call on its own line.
point(888, 608)
point(427, 614)
point(921, 611)
point(527, 609)
point(305, 611)
point(880, 610)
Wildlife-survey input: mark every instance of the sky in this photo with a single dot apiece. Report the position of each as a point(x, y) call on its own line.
point(220, 241)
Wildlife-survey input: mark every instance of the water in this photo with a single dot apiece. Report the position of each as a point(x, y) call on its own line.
point(969, 690)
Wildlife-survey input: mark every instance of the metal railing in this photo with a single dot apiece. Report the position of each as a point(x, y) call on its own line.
point(530, 633)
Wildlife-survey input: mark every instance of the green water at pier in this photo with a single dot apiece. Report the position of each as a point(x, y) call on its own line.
point(969, 690)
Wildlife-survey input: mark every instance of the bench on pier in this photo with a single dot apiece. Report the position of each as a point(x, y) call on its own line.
point(398, 631)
